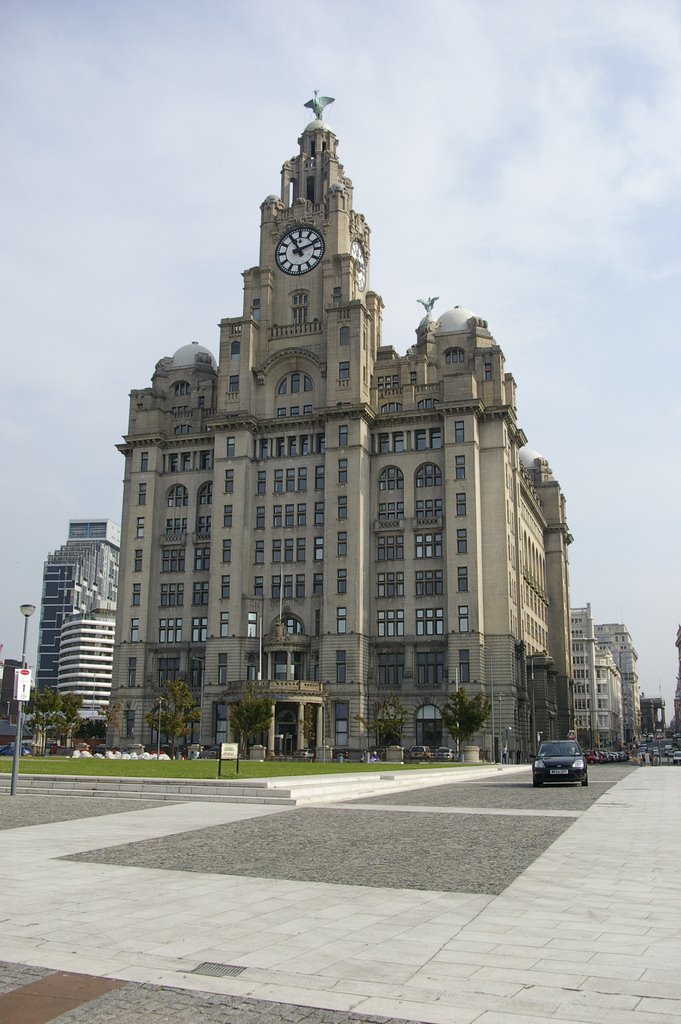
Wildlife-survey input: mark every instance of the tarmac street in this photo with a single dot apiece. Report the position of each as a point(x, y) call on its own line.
point(479, 900)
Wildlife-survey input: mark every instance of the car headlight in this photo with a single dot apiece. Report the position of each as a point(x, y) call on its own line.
point(539, 764)
point(578, 762)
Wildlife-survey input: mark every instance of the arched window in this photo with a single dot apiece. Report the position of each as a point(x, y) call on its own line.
point(235, 349)
point(429, 726)
point(300, 307)
point(182, 387)
point(426, 403)
point(454, 355)
point(178, 496)
point(294, 383)
point(391, 479)
point(205, 494)
point(293, 625)
point(391, 407)
point(428, 475)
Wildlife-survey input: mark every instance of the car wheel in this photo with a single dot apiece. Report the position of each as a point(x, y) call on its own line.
point(536, 782)
point(585, 782)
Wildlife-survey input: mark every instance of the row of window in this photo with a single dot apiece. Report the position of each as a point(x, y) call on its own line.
point(390, 622)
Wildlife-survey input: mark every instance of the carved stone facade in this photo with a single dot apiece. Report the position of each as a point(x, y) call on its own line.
point(332, 522)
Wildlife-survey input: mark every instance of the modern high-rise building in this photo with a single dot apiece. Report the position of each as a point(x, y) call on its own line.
point(331, 523)
point(78, 577)
point(617, 639)
point(86, 657)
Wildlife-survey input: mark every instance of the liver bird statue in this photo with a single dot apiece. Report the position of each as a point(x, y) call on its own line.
point(428, 304)
point(318, 103)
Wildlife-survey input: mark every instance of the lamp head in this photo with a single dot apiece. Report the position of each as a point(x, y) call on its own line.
point(27, 609)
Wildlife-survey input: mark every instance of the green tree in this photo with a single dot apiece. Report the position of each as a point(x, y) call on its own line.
point(43, 715)
point(249, 716)
point(386, 720)
point(68, 717)
point(178, 711)
point(464, 715)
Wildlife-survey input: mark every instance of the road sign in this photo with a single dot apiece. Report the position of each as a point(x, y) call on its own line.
point(22, 684)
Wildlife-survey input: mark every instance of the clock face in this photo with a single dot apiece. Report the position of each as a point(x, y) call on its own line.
point(357, 253)
point(299, 250)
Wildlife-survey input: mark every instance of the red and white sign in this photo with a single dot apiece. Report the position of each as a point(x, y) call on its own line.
point(22, 684)
point(572, 735)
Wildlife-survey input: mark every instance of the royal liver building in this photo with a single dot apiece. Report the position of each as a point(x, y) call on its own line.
point(331, 523)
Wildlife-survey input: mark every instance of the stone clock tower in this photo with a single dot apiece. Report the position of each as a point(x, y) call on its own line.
point(329, 523)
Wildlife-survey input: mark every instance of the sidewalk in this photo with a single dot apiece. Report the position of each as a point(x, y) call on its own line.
point(589, 932)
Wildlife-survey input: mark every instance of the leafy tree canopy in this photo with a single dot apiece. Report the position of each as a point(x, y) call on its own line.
point(464, 715)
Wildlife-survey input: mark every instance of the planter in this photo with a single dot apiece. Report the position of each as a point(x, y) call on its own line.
point(470, 753)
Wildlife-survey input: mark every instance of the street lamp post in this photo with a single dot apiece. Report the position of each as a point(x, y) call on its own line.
point(158, 732)
point(26, 610)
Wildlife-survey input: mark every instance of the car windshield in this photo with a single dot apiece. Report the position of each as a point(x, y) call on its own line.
point(559, 749)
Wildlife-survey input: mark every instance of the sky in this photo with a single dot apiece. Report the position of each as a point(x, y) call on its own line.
point(518, 158)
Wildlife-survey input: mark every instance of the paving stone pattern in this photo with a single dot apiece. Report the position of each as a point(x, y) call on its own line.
point(151, 1004)
point(24, 809)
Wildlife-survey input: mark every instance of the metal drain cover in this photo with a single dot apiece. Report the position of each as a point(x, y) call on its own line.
point(217, 970)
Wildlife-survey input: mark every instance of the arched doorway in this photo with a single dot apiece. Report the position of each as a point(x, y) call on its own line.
point(429, 726)
point(285, 731)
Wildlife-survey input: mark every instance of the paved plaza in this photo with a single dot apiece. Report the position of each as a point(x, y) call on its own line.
point(481, 901)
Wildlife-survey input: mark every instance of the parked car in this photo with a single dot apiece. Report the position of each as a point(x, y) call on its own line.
point(443, 754)
point(419, 753)
point(676, 757)
point(8, 750)
point(560, 761)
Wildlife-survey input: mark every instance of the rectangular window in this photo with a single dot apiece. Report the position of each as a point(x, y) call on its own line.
point(138, 560)
point(199, 629)
point(168, 670)
point(461, 504)
point(340, 666)
point(225, 586)
point(144, 461)
point(260, 517)
point(259, 586)
point(261, 483)
point(234, 383)
point(390, 584)
point(342, 437)
point(222, 669)
point(302, 479)
point(435, 437)
point(428, 545)
point(428, 508)
point(341, 620)
point(276, 550)
point(460, 467)
point(429, 582)
point(319, 513)
point(136, 594)
point(341, 581)
point(141, 494)
point(224, 624)
point(319, 478)
point(301, 514)
point(288, 549)
point(289, 516)
point(430, 668)
point(227, 516)
point(390, 547)
point(300, 584)
point(205, 460)
point(186, 462)
point(172, 595)
point(462, 578)
point(319, 549)
point(252, 625)
point(200, 592)
point(288, 587)
point(344, 370)
point(277, 514)
point(420, 440)
point(459, 431)
point(390, 669)
point(279, 481)
point(390, 622)
point(290, 480)
point(342, 506)
point(391, 509)
point(342, 471)
point(341, 723)
point(275, 590)
point(464, 667)
point(202, 558)
point(461, 541)
point(342, 544)
point(231, 447)
point(132, 671)
point(463, 618)
point(488, 371)
point(259, 558)
point(300, 549)
point(172, 560)
point(430, 621)
point(139, 532)
point(229, 481)
point(170, 631)
point(318, 583)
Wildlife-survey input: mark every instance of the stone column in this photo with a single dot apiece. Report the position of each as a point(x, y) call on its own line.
point(321, 738)
point(301, 726)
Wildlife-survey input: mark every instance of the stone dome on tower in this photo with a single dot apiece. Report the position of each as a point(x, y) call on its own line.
point(453, 320)
point(190, 355)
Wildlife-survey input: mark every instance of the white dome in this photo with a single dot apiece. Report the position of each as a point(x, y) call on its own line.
point(528, 457)
point(454, 320)
point(191, 354)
